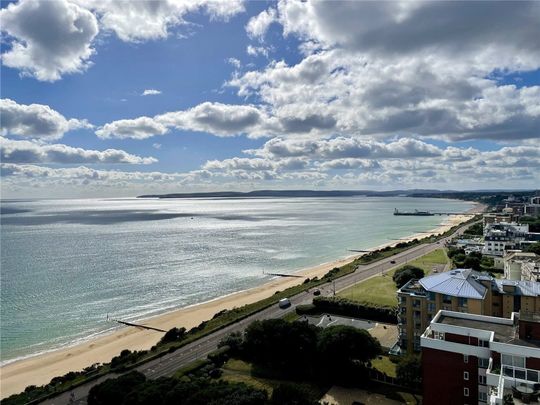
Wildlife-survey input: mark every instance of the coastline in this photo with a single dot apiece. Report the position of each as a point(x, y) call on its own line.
point(39, 369)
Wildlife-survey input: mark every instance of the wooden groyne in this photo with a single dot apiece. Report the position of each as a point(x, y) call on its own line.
point(282, 275)
point(138, 326)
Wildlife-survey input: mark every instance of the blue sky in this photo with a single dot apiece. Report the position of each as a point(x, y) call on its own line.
point(328, 95)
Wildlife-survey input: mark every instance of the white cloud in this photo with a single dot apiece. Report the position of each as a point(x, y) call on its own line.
point(138, 128)
point(343, 148)
point(258, 25)
point(150, 92)
point(409, 96)
point(50, 38)
point(35, 121)
point(12, 151)
point(143, 20)
point(422, 28)
point(257, 50)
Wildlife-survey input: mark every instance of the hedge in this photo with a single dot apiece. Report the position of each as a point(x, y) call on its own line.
point(343, 306)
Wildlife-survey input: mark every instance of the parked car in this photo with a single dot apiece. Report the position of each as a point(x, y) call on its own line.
point(317, 292)
point(284, 303)
point(392, 262)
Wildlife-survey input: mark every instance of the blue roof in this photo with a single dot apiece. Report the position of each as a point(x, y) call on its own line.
point(457, 283)
point(527, 288)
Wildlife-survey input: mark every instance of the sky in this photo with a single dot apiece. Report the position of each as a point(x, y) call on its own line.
point(113, 98)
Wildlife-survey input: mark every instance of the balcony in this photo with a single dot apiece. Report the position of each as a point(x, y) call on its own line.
point(512, 384)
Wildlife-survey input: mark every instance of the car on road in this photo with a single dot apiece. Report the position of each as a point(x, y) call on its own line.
point(392, 262)
point(284, 303)
point(317, 292)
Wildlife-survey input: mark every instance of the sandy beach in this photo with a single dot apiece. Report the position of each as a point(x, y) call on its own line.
point(39, 370)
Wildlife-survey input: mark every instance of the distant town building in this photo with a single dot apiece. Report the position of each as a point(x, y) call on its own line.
point(513, 262)
point(502, 236)
point(461, 290)
point(477, 359)
point(533, 208)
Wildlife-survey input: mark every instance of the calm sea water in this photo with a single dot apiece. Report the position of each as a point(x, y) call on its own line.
point(65, 264)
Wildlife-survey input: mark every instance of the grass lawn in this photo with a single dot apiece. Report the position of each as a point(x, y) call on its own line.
point(381, 290)
point(383, 364)
point(240, 371)
point(436, 259)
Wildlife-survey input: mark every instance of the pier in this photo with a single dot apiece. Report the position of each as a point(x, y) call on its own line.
point(417, 213)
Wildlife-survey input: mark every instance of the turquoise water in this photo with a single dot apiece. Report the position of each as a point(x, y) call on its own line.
point(66, 264)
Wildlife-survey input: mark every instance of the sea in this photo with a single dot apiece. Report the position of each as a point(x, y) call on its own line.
point(68, 264)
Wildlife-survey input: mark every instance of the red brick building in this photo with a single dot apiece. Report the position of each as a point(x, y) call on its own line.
point(477, 359)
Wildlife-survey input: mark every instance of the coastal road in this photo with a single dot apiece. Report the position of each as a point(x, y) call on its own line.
point(169, 363)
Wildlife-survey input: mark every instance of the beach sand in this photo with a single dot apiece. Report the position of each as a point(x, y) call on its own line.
point(39, 370)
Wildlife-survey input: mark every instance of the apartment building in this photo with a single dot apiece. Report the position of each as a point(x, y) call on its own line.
point(460, 290)
point(499, 237)
point(479, 359)
point(513, 262)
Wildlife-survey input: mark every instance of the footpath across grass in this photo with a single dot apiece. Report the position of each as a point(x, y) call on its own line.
point(381, 290)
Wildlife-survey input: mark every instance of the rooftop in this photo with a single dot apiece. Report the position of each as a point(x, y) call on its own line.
point(457, 283)
point(527, 288)
point(504, 333)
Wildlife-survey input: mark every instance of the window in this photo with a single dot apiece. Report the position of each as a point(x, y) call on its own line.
point(483, 343)
point(465, 375)
point(431, 296)
point(483, 363)
point(431, 307)
point(447, 299)
point(482, 396)
point(516, 361)
point(466, 392)
point(465, 358)
point(482, 379)
point(462, 302)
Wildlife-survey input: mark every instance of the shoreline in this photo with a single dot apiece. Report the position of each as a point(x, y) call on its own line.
point(39, 369)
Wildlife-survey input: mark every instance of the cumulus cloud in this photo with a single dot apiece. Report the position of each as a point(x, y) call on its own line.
point(19, 152)
point(142, 20)
point(410, 96)
point(343, 148)
point(150, 92)
point(138, 128)
point(214, 118)
point(404, 27)
point(258, 25)
point(50, 38)
point(35, 121)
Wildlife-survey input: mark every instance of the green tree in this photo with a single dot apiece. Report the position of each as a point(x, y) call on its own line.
point(292, 394)
point(409, 371)
point(533, 248)
point(287, 348)
point(406, 273)
point(174, 335)
point(114, 390)
point(342, 345)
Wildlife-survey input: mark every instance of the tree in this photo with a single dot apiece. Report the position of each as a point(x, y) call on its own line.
point(472, 262)
point(174, 335)
point(114, 390)
point(409, 371)
point(234, 341)
point(533, 248)
point(340, 346)
point(292, 394)
point(406, 273)
point(283, 347)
